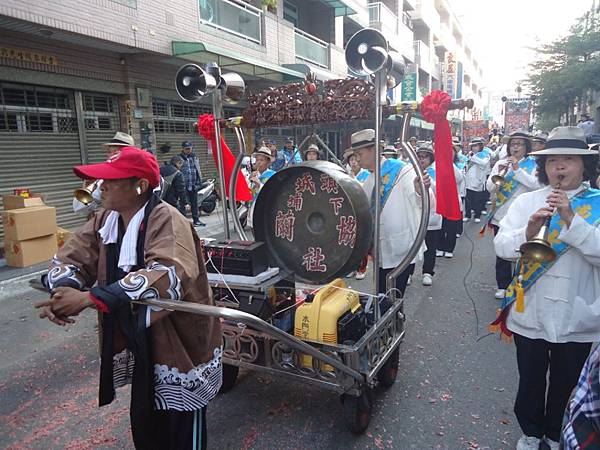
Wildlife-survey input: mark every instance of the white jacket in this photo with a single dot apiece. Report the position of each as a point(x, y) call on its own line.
point(525, 183)
point(399, 218)
point(461, 186)
point(564, 303)
point(478, 172)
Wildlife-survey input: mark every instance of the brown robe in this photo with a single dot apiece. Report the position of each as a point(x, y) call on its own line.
point(186, 348)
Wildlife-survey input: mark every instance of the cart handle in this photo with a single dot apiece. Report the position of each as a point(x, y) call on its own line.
point(254, 322)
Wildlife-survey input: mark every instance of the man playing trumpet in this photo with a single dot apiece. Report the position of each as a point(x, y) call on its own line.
point(510, 178)
point(553, 307)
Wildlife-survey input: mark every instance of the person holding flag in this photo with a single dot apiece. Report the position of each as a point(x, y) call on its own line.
point(552, 308)
point(519, 177)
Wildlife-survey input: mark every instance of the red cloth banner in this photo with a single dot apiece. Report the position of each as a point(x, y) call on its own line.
point(206, 128)
point(434, 109)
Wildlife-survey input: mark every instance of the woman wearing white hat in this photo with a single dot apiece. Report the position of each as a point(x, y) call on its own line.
point(477, 171)
point(519, 178)
point(553, 308)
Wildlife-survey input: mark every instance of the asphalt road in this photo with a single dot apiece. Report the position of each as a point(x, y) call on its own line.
point(454, 390)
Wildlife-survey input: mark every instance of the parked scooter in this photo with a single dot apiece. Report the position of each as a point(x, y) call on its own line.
point(207, 196)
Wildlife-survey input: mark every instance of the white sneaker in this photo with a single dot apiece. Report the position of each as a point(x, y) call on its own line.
point(439, 253)
point(484, 212)
point(459, 235)
point(361, 275)
point(351, 274)
point(427, 279)
point(528, 443)
point(477, 220)
point(409, 280)
point(500, 293)
point(552, 444)
point(466, 219)
point(448, 255)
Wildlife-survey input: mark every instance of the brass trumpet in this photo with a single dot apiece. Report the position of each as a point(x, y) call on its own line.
point(538, 249)
point(84, 194)
point(500, 178)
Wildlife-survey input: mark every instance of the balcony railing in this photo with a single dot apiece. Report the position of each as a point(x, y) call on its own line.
point(311, 48)
point(381, 14)
point(238, 18)
point(423, 55)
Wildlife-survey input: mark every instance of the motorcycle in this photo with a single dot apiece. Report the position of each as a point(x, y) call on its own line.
point(207, 196)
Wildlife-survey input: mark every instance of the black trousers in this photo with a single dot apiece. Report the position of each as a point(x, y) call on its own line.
point(432, 238)
point(540, 414)
point(192, 198)
point(401, 280)
point(475, 202)
point(450, 228)
point(176, 430)
point(504, 271)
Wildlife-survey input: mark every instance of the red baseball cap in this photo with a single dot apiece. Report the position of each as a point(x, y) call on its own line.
point(129, 162)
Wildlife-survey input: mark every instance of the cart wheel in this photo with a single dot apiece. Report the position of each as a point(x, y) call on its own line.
point(357, 412)
point(388, 372)
point(230, 374)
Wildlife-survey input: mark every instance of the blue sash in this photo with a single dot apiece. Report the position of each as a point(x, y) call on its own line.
point(362, 175)
point(431, 171)
point(462, 161)
point(263, 177)
point(506, 191)
point(390, 170)
point(587, 206)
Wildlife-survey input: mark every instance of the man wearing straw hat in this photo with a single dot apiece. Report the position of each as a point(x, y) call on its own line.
point(400, 205)
point(259, 176)
point(552, 307)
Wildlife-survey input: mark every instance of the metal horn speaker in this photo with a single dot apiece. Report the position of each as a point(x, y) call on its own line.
point(192, 83)
point(233, 87)
point(367, 52)
point(395, 69)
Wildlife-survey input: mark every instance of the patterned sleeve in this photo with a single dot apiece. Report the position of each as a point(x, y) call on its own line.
point(170, 267)
point(76, 262)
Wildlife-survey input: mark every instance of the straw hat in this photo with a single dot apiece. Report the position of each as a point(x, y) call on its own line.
point(566, 141)
point(389, 150)
point(121, 139)
point(265, 151)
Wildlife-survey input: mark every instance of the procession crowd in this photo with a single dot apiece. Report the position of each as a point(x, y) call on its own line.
point(515, 185)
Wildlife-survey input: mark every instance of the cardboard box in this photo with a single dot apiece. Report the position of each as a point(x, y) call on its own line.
point(28, 223)
point(29, 252)
point(17, 202)
point(61, 236)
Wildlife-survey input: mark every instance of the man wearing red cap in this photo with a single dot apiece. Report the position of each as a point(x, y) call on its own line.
point(140, 247)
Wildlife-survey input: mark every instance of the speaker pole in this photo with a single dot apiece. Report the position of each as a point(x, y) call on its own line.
point(217, 106)
point(379, 85)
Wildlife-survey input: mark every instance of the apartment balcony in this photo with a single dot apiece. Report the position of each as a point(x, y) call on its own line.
point(235, 17)
point(311, 49)
point(383, 19)
point(426, 13)
point(423, 56)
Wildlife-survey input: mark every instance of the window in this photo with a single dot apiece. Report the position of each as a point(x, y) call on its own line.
point(130, 3)
point(101, 112)
point(290, 12)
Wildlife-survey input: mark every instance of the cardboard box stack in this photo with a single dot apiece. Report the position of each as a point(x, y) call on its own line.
point(30, 231)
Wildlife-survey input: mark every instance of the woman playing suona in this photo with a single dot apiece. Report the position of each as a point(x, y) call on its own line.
point(552, 308)
point(518, 176)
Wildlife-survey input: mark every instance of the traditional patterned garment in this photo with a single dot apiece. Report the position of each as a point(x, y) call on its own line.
point(263, 177)
point(581, 426)
point(175, 363)
point(586, 204)
point(507, 189)
point(390, 170)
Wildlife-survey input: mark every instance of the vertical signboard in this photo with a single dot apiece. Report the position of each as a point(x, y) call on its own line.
point(450, 83)
point(459, 79)
point(409, 88)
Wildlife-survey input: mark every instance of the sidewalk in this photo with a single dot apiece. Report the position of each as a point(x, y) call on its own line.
point(214, 228)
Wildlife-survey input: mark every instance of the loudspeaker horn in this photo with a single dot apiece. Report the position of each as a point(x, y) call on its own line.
point(367, 52)
point(233, 87)
point(395, 68)
point(192, 83)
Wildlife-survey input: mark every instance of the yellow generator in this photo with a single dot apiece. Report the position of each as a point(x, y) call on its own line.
point(333, 316)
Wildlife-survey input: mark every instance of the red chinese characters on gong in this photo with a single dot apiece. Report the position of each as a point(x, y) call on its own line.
point(328, 184)
point(312, 260)
point(295, 202)
point(336, 202)
point(284, 225)
point(305, 183)
point(346, 231)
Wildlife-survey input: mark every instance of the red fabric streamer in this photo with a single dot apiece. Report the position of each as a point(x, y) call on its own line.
point(206, 129)
point(434, 108)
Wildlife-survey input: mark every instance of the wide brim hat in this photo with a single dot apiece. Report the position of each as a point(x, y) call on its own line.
point(312, 148)
point(540, 137)
point(389, 150)
point(476, 141)
point(566, 141)
point(120, 139)
point(424, 147)
point(519, 135)
point(595, 147)
point(265, 151)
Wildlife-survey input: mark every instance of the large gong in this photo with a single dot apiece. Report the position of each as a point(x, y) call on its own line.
point(315, 221)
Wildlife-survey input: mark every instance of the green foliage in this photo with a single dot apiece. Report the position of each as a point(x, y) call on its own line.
point(566, 70)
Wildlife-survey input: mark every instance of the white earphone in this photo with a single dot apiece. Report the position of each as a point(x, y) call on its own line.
point(138, 190)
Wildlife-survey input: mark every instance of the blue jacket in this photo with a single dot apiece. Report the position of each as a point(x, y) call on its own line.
point(191, 171)
point(284, 158)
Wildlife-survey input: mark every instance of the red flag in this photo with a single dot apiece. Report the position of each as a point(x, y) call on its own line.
point(434, 108)
point(206, 129)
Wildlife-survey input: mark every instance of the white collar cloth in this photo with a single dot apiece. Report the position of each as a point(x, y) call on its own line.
point(110, 234)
